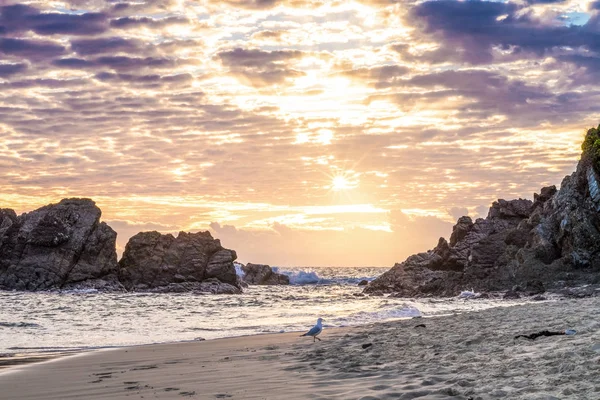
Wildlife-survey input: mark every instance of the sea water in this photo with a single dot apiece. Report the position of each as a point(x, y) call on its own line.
point(75, 320)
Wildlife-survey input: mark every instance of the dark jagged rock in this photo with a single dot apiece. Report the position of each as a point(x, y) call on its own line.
point(260, 274)
point(153, 261)
point(65, 246)
point(57, 246)
point(551, 242)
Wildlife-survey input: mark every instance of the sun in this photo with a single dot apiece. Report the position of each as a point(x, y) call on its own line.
point(340, 183)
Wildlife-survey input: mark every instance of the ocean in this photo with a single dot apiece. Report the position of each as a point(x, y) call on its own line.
point(81, 320)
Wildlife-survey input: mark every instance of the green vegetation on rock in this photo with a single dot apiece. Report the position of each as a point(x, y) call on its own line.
point(591, 146)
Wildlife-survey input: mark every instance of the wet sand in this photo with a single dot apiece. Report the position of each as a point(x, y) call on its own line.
point(466, 356)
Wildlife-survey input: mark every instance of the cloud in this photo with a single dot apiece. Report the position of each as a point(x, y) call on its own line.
point(384, 73)
point(11, 69)
point(294, 247)
point(117, 63)
point(148, 81)
point(424, 106)
point(473, 28)
point(154, 23)
point(30, 49)
point(22, 18)
point(128, 63)
point(87, 47)
point(457, 212)
point(261, 68)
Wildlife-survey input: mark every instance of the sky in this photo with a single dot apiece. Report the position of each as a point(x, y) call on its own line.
point(299, 132)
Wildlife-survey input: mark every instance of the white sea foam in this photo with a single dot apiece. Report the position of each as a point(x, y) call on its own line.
point(89, 320)
point(238, 270)
point(300, 277)
point(467, 294)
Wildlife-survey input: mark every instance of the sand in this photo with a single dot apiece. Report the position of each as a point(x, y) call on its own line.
point(466, 356)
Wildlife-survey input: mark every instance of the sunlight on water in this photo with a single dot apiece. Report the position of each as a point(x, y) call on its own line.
point(52, 320)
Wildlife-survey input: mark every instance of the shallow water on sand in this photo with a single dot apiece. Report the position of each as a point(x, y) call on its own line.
point(59, 321)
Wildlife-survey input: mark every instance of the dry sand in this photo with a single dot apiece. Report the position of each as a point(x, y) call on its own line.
point(471, 355)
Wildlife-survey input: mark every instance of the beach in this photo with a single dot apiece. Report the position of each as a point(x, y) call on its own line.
point(470, 355)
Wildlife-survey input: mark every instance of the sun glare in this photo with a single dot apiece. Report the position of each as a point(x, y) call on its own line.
point(340, 183)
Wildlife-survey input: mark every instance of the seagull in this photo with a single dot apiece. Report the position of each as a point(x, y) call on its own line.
point(315, 330)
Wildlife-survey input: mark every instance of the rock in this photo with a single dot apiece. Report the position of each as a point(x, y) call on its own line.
point(548, 243)
point(214, 286)
point(260, 274)
point(364, 282)
point(538, 298)
point(152, 260)
point(511, 294)
point(534, 287)
point(460, 230)
point(57, 246)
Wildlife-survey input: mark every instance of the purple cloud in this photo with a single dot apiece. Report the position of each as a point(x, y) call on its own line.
point(22, 18)
point(30, 49)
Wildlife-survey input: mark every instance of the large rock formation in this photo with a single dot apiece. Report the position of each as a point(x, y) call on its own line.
point(260, 274)
point(57, 246)
point(153, 261)
point(553, 241)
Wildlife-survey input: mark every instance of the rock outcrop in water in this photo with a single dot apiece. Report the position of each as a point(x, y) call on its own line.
point(260, 274)
point(65, 246)
point(552, 242)
point(57, 246)
point(189, 262)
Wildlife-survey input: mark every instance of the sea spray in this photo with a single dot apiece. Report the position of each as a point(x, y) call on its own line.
point(75, 320)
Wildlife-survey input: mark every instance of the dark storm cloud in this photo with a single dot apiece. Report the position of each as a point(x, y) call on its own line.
point(473, 27)
point(259, 67)
point(21, 18)
point(30, 49)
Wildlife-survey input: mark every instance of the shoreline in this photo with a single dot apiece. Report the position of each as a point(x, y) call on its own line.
point(469, 355)
point(16, 359)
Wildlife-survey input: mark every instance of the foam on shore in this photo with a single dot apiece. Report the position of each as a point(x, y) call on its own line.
point(471, 355)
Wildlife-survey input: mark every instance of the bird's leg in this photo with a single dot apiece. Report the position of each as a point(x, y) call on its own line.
point(314, 337)
point(317, 338)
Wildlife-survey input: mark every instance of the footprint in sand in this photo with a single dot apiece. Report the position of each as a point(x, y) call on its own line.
point(101, 376)
point(144, 367)
point(379, 387)
point(222, 395)
point(187, 394)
